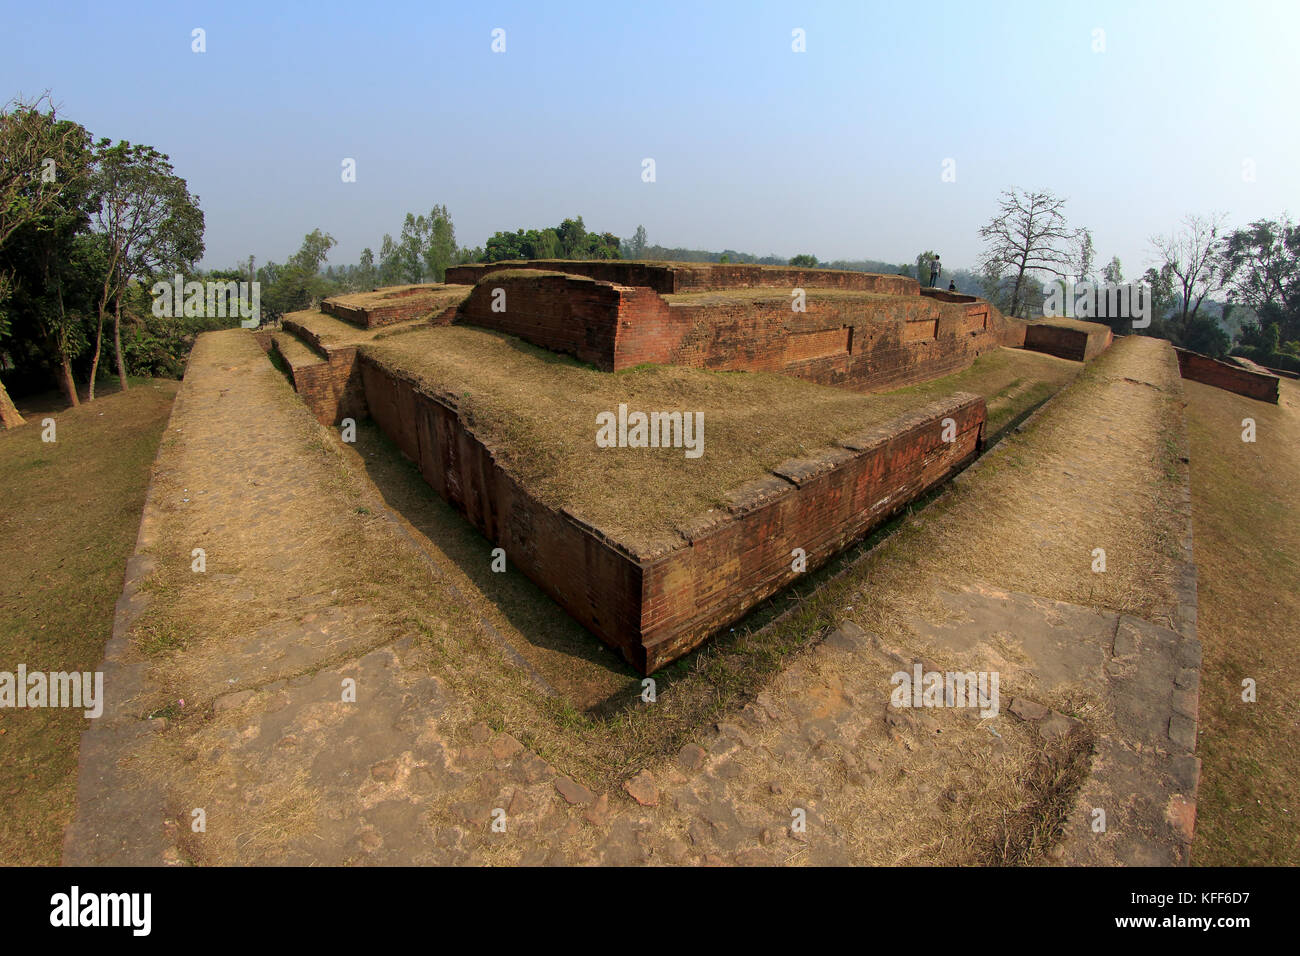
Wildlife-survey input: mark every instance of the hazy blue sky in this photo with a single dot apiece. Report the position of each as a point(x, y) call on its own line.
point(837, 151)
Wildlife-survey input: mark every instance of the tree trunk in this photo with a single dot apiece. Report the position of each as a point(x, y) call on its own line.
point(117, 343)
point(9, 417)
point(60, 345)
point(94, 362)
point(68, 382)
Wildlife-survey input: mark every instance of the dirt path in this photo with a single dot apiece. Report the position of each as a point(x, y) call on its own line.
point(450, 753)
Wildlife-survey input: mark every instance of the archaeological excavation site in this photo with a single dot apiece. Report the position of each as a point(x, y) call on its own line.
point(640, 558)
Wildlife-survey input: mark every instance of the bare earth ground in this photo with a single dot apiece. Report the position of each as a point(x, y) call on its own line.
point(69, 521)
point(1248, 561)
point(309, 584)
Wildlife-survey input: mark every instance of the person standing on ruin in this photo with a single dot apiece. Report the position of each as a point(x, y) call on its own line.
point(934, 271)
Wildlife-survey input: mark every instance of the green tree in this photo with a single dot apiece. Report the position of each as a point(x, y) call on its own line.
point(41, 157)
point(1262, 269)
point(299, 283)
point(804, 260)
point(636, 246)
point(367, 275)
point(151, 223)
point(440, 248)
point(1113, 272)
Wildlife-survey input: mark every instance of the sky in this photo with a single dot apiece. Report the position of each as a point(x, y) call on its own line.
point(839, 151)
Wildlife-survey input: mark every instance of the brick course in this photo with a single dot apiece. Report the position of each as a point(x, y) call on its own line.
point(1262, 386)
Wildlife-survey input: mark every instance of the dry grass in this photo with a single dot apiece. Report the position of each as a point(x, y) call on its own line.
point(539, 410)
point(294, 351)
point(335, 332)
point(1247, 540)
point(69, 522)
point(1087, 476)
point(434, 293)
point(1012, 381)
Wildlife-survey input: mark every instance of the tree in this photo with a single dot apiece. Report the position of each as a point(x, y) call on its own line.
point(298, 284)
point(804, 260)
point(1262, 269)
point(40, 157)
point(1029, 235)
point(1193, 257)
point(1086, 255)
point(923, 260)
point(637, 244)
point(573, 238)
point(440, 249)
point(367, 275)
point(1113, 273)
point(1160, 283)
point(151, 223)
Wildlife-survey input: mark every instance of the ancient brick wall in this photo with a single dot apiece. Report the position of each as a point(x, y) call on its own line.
point(737, 559)
point(407, 307)
point(330, 387)
point(1202, 368)
point(1068, 342)
point(593, 580)
point(870, 343)
point(570, 314)
point(655, 607)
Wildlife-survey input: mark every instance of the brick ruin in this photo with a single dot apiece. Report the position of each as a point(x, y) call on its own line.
point(655, 601)
point(1241, 376)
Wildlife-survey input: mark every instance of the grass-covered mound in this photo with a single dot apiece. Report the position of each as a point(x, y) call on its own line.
point(539, 411)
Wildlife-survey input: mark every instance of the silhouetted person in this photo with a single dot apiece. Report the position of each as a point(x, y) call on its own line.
point(952, 285)
point(934, 272)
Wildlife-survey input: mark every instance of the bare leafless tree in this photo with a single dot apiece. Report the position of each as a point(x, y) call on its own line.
point(1194, 254)
point(1029, 235)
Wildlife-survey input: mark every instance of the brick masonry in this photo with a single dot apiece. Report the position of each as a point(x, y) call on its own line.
point(870, 342)
point(330, 387)
point(657, 603)
point(1079, 341)
point(401, 305)
point(1260, 385)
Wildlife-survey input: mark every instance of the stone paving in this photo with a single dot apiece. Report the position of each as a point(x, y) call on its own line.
point(816, 768)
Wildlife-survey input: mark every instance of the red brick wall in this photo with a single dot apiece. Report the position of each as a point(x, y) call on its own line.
point(822, 505)
point(1065, 342)
point(1202, 368)
point(331, 387)
point(654, 610)
point(596, 583)
point(888, 342)
point(400, 311)
point(569, 314)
